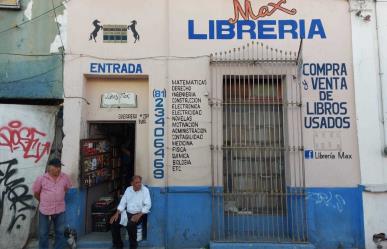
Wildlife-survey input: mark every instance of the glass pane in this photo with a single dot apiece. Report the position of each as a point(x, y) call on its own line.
point(9, 2)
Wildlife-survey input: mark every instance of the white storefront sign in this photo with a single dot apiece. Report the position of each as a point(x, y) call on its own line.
point(119, 100)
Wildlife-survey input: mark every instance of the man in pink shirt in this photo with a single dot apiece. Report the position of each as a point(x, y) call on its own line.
point(50, 190)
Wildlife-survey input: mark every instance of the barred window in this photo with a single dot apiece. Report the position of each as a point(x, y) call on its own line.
point(257, 109)
point(115, 33)
point(253, 141)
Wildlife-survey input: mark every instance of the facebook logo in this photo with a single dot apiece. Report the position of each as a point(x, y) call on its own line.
point(308, 154)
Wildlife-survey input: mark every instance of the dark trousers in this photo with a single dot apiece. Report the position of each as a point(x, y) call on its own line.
point(131, 229)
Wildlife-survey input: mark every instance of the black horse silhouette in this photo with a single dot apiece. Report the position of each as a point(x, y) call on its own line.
point(97, 26)
point(132, 27)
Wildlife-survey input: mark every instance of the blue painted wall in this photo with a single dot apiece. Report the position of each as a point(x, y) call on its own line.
point(157, 218)
point(189, 217)
point(335, 217)
point(75, 209)
point(181, 217)
point(31, 79)
point(27, 68)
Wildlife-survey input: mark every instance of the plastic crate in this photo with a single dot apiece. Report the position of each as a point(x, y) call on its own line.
point(101, 222)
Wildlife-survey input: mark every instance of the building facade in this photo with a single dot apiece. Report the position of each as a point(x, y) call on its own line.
point(239, 115)
point(250, 121)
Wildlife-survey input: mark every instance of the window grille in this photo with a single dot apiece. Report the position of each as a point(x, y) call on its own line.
point(258, 167)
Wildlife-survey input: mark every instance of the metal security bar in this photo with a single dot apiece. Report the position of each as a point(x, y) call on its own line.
point(258, 167)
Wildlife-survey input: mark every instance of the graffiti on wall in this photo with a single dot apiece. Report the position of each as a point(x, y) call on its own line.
point(29, 139)
point(16, 193)
point(26, 137)
point(328, 199)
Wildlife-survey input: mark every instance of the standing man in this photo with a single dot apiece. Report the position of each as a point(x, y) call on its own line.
point(132, 210)
point(50, 190)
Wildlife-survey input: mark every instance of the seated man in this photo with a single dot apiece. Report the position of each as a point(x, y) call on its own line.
point(133, 207)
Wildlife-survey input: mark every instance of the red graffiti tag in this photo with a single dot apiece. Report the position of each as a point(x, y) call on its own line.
point(15, 136)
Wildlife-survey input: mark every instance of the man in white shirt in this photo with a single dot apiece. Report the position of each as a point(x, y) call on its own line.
point(133, 208)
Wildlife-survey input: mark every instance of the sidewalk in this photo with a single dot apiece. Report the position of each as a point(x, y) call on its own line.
point(93, 241)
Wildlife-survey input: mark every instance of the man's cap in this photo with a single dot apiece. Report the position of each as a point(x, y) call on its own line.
point(55, 162)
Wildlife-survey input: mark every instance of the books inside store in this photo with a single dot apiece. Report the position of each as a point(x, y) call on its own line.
point(106, 167)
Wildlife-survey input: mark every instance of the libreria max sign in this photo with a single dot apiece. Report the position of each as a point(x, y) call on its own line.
point(253, 27)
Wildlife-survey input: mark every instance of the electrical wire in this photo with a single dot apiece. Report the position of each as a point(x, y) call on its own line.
point(17, 26)
point(156, 57)
point(96, 57)
point(40, 74)
point(31, 55)
point(32, 77)
point(76, 97)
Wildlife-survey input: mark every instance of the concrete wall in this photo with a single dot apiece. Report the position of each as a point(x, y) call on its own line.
point(369, 39)
point(28, 69)
point(26, 136)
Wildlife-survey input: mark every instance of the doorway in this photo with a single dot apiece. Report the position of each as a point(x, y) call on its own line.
point(107, 165)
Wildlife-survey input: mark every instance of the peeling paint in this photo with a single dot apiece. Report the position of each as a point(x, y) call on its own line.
point(62, 36)
point(28, 11)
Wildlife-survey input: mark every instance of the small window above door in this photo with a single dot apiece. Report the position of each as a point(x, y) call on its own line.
point(9, 4)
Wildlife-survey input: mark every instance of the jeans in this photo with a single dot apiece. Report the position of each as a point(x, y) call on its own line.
point(44, 228)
